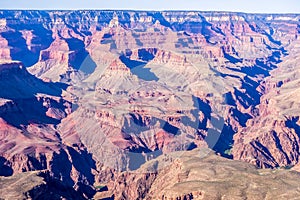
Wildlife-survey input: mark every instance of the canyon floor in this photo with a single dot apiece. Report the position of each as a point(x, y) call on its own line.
point(149, 105)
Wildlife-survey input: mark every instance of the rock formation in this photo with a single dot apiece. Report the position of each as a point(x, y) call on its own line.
point(108, 92)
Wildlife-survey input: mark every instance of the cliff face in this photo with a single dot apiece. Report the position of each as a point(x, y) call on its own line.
point(30, 141)
point(70, 36)
point(271, 139)
point(116, 89)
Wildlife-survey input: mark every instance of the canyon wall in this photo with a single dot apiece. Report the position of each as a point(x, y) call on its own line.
point(117, 89)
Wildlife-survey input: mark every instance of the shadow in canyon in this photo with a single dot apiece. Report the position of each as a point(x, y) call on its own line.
point(54, 189)
point(231, 58)
point(83, 162)
point(80, 58)
point(21, 50)
point(225, 141)
point(25, 108)
point(138, 67)
point(5, 169)
point(24, 113)
point(293, 123)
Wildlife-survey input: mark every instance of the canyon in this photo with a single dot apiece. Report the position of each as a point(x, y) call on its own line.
point(149, 105)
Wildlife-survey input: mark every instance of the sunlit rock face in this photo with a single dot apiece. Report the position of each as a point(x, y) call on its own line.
point(116, 89)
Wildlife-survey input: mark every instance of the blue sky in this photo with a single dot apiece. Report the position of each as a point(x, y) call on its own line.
point(252, 6)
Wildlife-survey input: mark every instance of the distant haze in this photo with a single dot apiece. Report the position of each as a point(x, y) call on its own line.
point(253, 6)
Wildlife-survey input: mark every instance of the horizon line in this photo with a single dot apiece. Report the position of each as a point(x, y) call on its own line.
point(144, 10)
